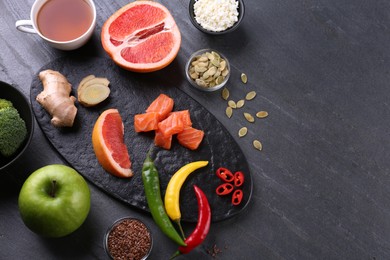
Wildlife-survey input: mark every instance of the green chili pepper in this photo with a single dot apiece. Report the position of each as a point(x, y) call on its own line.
point(151, 182)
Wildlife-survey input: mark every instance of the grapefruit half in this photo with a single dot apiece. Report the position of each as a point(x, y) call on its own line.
point(142, 36)
point(108, 144)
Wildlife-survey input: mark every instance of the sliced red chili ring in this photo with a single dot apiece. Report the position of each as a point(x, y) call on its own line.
point(237, 197)
point(224, 189)
point(225, 175)
point(238, 179)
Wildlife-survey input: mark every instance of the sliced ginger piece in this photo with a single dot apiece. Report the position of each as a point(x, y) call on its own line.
point(84, 80)
point(93, 95)
point(92, 90)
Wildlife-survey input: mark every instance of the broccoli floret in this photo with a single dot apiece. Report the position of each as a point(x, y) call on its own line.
point(13, 131)
point(4, 103)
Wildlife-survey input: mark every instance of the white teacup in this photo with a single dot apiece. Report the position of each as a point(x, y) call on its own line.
point(31, 26)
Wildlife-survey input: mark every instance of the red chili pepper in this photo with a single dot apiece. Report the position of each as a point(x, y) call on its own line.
point(224, 189)
point(202, 227)
point(224, 174)
point(237, 197)
point(238, 179)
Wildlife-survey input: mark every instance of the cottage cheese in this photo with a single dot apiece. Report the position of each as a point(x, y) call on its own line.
point(216, 15)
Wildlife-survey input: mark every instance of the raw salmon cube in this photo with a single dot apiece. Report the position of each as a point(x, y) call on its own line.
point(162, 140)
point(146, 122)
point(185, 116)
point(163, 105)
point(190, 137)
point(171, 125)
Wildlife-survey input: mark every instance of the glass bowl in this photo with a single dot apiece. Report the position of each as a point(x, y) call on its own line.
point(128, 236)
point(218, 81)
point(241, 12)
point(19, 101)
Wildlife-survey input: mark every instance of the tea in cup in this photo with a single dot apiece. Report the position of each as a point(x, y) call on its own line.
point(64, 24)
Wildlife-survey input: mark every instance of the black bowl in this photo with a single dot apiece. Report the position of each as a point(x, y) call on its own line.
point(21, 103)
point(241, 12)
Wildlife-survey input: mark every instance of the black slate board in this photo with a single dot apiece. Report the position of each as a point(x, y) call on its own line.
point(131, 93)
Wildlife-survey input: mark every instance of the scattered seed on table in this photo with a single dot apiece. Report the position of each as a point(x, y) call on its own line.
point(242, 132)
point(251, 95)
point(232, 104)
point(249, 117)
point(262, 114)
point(257, 144)
point(244, 78)
point(225, 93)
point(240, 103)
point(229, 112)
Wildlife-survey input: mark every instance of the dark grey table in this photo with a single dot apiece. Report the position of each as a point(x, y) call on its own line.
point(321, 69)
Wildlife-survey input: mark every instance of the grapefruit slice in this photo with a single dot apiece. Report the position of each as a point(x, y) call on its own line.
point(141, 36)
point(108, 144)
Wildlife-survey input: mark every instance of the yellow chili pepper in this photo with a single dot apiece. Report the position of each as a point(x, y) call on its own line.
point(172, 193)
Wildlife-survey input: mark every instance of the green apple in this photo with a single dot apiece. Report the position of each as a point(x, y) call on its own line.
point(54, 201)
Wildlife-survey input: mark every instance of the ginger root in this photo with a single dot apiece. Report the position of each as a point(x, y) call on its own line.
point(55, 98)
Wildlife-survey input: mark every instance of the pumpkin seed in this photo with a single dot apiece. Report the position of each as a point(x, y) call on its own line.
point(257, 144)
point(215, 62)
point(205, 75)
point(225, 72)
point(225, 93)
point(242, 132)
point(244, 78)
point(201, 82)
point(194, 75)
point(210, 56)
point(216, 55)
point(249, 117)
point(219, 80)
point(200, 69)
point(240, 103)
point(212, 70)
point(202, 59)
point(229, 112)
point(262, 114)
point(232, 104)
point(202, 63)
point(209, 79)
point(222, 65)
point(251, 95)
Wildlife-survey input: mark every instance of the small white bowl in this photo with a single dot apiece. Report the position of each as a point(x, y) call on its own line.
point(192, 81)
